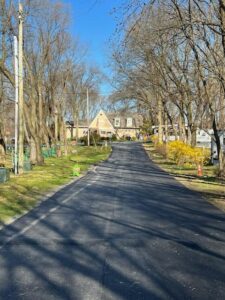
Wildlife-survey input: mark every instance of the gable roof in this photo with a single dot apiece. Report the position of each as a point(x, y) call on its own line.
point(106, 121)
point(102, 121)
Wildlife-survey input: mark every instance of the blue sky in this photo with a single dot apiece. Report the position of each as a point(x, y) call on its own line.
point(93, 22)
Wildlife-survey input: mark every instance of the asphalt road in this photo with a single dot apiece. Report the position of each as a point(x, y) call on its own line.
point(127, 230)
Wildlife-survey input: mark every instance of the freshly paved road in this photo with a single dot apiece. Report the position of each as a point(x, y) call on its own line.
point(126, 231)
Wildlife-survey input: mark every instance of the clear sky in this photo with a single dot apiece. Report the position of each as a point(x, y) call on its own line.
point(94, 23)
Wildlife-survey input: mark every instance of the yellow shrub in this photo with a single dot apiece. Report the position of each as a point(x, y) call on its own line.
point(182, 154)
point(154, 138)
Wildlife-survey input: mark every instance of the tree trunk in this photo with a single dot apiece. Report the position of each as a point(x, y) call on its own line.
point(65, 140)
point(47, 141)
point(36, 157)
point(56, 122)
point(2, 147)
point(191, 139)
point(221, 164)
point(183, 134)
point(160, 119)
point(77, 128)
point(2, 152)
point(33, 154)
point(188, 135)
point(193, 136)
point(39, 156)
point(166, 128)
point(220, 153)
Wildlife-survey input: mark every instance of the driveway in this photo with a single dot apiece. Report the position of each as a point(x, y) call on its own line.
point(127, 230)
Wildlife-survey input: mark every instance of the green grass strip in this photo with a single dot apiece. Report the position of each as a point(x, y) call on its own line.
point(22, 192)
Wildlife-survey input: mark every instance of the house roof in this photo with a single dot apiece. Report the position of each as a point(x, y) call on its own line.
point(137, 120)
point(101, 121)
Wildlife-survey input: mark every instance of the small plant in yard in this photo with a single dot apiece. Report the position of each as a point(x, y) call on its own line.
point(94, 139)
point(76, 170)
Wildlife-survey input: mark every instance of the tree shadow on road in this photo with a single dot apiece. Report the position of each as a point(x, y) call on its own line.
point(131, 233)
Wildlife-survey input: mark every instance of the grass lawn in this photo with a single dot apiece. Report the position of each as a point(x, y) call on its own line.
point(211, 187)
point(22, 192)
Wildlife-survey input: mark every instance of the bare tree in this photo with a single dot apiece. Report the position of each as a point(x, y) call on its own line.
point(174, 50)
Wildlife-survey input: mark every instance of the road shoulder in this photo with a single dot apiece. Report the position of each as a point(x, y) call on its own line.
point(209, 187)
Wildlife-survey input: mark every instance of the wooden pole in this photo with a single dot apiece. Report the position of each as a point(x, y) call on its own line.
point(20, 100)
point(88, 133)
point(16, 104)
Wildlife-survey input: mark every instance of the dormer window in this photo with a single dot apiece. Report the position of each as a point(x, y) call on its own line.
point(129, 122)
point(117, 122)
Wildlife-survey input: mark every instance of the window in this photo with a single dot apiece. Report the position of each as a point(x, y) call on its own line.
point(102, 132)
point(117, 122)
point(129, 122)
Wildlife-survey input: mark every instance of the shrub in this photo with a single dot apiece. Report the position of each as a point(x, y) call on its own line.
point(94, 139)
point(183, 154)
point(114, 137)
point(104, 138)
point(154, 139)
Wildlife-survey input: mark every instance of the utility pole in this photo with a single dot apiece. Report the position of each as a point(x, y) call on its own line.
point(16, 104)
point(88, 132)
point(20, 102)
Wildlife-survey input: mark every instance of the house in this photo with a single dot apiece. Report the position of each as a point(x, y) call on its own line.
point(102, 125)
point(107, 125)
point(126, 124)
point(171, 137)
point(204, 138)
point(72, 130)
